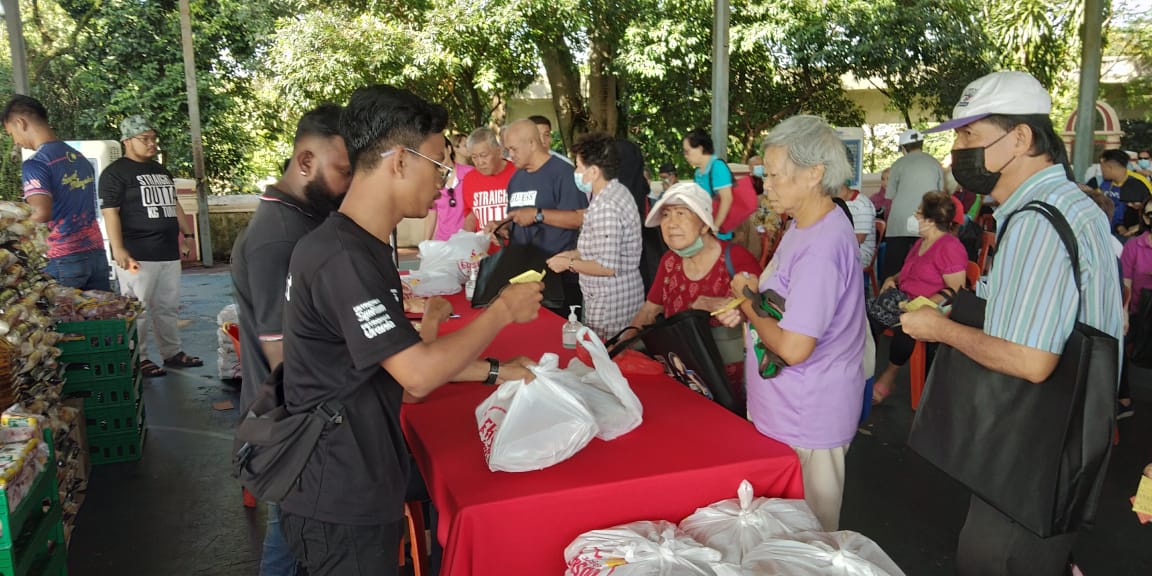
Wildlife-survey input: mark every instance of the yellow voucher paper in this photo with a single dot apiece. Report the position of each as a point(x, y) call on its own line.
point(1143, 501)
point(918, 303)
point(529, 276)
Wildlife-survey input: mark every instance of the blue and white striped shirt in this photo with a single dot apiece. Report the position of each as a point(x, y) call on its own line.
point(1031, 292)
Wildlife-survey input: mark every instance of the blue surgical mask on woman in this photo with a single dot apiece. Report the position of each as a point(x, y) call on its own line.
point(585, 187)
point(691, 250)
point(1144, 163)
point(758, 171)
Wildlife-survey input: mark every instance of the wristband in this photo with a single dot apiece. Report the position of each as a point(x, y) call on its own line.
point(493, 371)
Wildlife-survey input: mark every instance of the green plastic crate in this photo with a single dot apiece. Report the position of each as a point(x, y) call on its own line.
point(96, 336)
point(40, 550)
point(104, 393)
point(114, 419)
point(81, 368)
point(14, 523)
point(118, 447)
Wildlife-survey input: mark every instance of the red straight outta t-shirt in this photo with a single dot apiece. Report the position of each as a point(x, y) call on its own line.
point(486, 197)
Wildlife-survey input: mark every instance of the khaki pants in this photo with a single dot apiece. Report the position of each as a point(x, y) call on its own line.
point(157, 285)
point(823, 472)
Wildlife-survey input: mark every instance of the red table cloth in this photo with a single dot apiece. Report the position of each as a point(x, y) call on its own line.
point(688, 453)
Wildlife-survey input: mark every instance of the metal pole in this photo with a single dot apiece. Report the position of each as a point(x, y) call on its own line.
point(16, 43)
point(197, 140)
point(720, 77)
point(1082, 150)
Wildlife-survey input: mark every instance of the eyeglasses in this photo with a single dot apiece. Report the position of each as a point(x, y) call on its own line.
point(148, 139)
point(452, 197)
point(444, 169)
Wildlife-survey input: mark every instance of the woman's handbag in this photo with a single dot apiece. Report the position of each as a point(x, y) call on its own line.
point(1035, 452)
point(512, 260)
point(885, 308)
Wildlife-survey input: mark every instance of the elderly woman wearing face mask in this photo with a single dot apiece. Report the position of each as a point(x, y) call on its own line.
point(804, 372)
point(696, 271)
point(935, 269)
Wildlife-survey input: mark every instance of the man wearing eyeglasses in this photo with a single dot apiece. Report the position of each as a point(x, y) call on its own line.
point(144, 224)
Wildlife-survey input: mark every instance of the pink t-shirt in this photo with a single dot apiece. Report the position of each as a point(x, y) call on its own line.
point(923, 274)
point(1136, 264)
point(449, 219)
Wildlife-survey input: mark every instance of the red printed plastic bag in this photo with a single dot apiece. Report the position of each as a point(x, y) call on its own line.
point(736, 527)
point(642, 549)
point(532, 426)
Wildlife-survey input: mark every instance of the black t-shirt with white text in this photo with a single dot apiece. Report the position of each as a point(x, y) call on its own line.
point(146, 196)
point(344, 315)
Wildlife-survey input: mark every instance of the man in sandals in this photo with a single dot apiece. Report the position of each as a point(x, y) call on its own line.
point(144, 224)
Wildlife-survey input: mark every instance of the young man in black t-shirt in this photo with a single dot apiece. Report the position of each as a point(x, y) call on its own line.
point(144, 223)
point(346, 338)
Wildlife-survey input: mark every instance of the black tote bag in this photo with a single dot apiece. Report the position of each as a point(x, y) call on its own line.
point(687, 337)
point(512, 260)
point(1036, 452)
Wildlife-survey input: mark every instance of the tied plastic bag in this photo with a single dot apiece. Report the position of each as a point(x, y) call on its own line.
point(443, 263)
point(822, 555)
point(604, 389)
point(736, 527)
point(530, 426)
point(642, 549)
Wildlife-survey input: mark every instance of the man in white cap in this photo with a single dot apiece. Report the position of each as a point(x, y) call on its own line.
point(148, 233)
point(911, 177)
point(1007, 148)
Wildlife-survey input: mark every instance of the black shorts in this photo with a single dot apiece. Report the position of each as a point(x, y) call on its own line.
point(327, 549)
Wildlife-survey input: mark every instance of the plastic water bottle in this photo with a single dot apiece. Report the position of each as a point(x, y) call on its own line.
point(571, 327)
point(470, 286)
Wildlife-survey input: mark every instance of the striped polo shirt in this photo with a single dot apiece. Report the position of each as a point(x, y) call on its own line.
point(1031, 292)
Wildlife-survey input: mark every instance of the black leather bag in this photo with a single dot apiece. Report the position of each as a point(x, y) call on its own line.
point(684, 344)
point(1036, 452)
point(512, 260)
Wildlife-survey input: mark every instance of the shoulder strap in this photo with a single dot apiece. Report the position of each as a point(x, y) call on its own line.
point(728, 261)
point(1067, 237)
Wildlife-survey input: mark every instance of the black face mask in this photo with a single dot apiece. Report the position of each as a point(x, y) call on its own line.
point(969, 171)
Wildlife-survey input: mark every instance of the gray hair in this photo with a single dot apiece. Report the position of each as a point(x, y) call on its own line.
point(483, 135)
point(811, 142)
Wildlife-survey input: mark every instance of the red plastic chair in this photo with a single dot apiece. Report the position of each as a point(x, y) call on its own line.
point(232, 329)
point(917, 369)
point(987, 243)
point(973, 274)
point(417, 544)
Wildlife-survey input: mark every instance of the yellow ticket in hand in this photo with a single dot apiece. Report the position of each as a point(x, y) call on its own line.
point(729, 305)
point(918, 303)
point(529, 276)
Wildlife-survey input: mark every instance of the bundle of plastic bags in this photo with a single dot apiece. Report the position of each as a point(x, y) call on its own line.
point(643, 549)
point(842, 553)
point(736, 527)
point(530, 426)
point(443, 262)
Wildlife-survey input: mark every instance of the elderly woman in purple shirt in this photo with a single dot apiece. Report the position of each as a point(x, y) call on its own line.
point(812, 402)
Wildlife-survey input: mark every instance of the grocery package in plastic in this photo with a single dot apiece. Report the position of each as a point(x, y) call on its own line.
point(17, 425)
point(642, 549)
point(820, 554)
point(735, 527)
point(604, 389)
point(227, 357)
point(532, 426)
point(444, 264)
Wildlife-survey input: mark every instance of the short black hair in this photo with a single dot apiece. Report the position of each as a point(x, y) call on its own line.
point(21, 105)
point(1045, 140)
point(667, 168)
point(379, 117)
point(323, 121)
point(698, 138)
point(917, 145)
point(541, 120)
point(1116, 156)
point(598, 149)
point(938, 208)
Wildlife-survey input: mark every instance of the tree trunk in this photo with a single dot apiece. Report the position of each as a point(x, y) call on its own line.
point(564, 79)
point(602, 87)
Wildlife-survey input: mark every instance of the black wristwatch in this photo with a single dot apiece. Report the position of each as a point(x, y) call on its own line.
point(539, 215)
point(493, 371)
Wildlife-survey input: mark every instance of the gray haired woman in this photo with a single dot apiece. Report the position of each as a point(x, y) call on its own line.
point(804, 373)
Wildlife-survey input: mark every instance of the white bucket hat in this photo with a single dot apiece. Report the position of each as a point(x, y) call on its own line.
point(687, 194)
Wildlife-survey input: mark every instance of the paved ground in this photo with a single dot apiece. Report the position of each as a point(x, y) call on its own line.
point(178, 511)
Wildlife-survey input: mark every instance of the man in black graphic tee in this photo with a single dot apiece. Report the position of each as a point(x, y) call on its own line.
point(144, 224)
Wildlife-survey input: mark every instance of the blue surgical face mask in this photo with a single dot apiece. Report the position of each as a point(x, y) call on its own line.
point(692, 249)
point(1144, 163)
point(758, 171)
point(585, 187)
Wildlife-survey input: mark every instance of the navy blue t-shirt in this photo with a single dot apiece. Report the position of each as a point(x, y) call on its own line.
point(552, 187)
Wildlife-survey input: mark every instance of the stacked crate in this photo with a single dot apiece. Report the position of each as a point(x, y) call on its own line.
point(31, 534)
point(101, 366)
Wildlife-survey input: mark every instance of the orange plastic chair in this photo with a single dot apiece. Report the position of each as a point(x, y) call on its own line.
point(232, 330)
point(417, 545)
point(987, 243)
point(973, 274)
point(881, 228)
point(917, 369)
point(987, 222)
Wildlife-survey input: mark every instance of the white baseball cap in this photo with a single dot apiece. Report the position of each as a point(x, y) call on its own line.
point(1007, 92)
point(909, 136)
point(688, 194)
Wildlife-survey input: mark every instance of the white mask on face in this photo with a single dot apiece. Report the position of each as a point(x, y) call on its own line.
point(913, 225)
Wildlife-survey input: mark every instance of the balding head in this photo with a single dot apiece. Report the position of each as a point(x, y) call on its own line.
point(523, 143)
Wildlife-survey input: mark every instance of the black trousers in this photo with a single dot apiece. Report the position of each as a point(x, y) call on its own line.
point(900, 348)
point(991, 544)
point(327, 549)
point(895, 252)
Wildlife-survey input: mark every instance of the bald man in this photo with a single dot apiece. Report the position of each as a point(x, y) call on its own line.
point(544, 203)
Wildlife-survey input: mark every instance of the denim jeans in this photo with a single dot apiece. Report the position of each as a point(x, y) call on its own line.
point(277, 559)
point(85, 270)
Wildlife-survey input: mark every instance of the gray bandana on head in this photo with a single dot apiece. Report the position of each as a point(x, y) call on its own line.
point(134, 126)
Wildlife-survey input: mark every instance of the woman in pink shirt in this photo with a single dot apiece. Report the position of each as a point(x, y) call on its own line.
point(1136, 269)
point(935, 268)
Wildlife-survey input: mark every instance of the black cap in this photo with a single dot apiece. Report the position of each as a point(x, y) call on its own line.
point(667, 168)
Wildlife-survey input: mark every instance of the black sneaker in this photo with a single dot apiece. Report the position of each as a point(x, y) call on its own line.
point(1123, 411)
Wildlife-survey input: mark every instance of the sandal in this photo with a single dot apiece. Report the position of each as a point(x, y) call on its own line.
point(151, 370)
point(182, 360)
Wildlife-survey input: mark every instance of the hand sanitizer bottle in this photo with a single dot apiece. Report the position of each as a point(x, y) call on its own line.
point(571, 327)
point(470, 286)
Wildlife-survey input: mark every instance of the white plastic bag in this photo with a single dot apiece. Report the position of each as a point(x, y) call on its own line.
point(642, 549)
point(227, 360)
point(532, 426)
point(735, 527)
point(448, 254)
point(605, 390)
point(433, 282)
point(855, 543)
point(815, 558)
